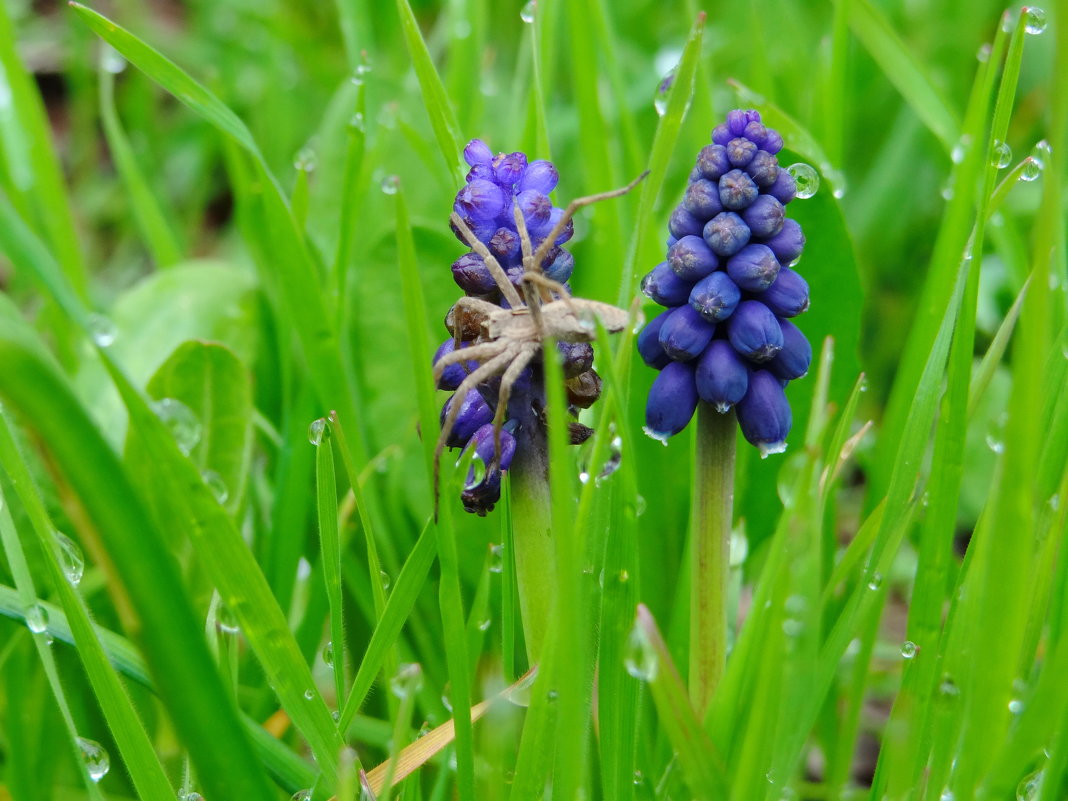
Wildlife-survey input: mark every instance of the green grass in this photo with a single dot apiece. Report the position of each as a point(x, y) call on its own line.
point(228, 223)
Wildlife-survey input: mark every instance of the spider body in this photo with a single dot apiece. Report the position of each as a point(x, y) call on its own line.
point(504, 342)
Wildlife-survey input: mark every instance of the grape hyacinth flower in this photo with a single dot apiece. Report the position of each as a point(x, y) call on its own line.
point(729, 286)
point(496, 187)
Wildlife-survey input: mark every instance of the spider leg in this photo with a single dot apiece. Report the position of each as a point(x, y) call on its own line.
point(492, 264)
point(569, 212)
point(511, 375)
point(472, 353)
point(533, 300)
point(484, 371)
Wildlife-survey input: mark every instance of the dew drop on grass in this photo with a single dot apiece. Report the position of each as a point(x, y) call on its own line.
point(216, 485)
point(663, 89)
point(1041, 153)
point(1029, 788)
point(1016, 706)
point(639, 658)
point(909, 649)
point(180, 421)
point(328, 654)
point(948, 687)
point(390, 184)
point(383, 579)
point(1000, 154)
point(407, 681)
point(1032, 168)
point(527, 12)
point(101, 329)
point(638, 778)
point(301, 795)
point(615, 458)
point(225, 620)
point(1034, 19)
point(496, 563)
point(485, 624)
point(71, 560)
point(111, 61)
point(37, 619)
point(316, 431)
point(584, 477)
point(806, 178)
point(96, 759)
point(876, 581)
point(983, 54)
point(190, 796)
point(309, 694)
point(306, 160)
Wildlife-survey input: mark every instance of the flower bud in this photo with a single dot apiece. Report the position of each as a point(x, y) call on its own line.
point(784, 187)
point(575, 357)
point(715, 297)
point(691, 258)
point(788, 243)
point(480, 200)
point(569, 230)
point(685, 333)
point(474, 413)
point(712, 162)
point(737, 190)
point(722, 377)
point(477, 152)
point(663, 286)
point(509, 169)
point(755, 132)
point(795, 357)
point(754, 331)
point(753, 268)
point(482, 229)
point(672, 401)
point(764, 217)
point(764, 413)
point(504, 245)
point(702, 199)
point(772, 142)
point(482, 442)
point(740, 151)
point(584, 389)
point(481, 171)
point(682, 223)
point(763, 169)
point(649, 347)
point(561, 267)
point(453, 375)
point(535, 208)
point(472, 276)
point(788, 294)
point(726, 234)
point(721, 134)
point(541, 176)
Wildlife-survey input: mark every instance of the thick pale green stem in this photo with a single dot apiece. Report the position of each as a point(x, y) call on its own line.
point(710, 526)
point(532, 537)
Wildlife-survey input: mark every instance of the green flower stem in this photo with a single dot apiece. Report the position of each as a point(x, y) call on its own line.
point(710, 524)
point(533, 543)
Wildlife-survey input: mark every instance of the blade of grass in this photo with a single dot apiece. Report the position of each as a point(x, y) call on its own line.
point(330, 544)
point(140, 758)
point(667, 134)
point(143, 572)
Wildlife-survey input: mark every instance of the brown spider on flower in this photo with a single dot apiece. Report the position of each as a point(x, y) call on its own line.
point(505, 341)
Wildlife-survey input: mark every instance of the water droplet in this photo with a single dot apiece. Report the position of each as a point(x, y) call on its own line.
point(1000, 154)
point(180, 421)
point(1054, 501)
point(71, 560)
point(216, 485)
point(328, 654)
point(111, 60)
point(190, 796)
point(640, 504)
point(947, 795)
point(584, 477)
point(301, 795)
point(390, 184)
point(225, 620)
point(527, 12)
point(995, 435)
point(316, 431)
point(806, 178)
point(95, 758)
point(838, 192)
point(947, 191)
point(739, 548)
point(357, 122)
point(552, 696)
point(1016, 706)
point(408, 680)
point(477, 474)
point(1032, 168)
point(37, 619)
point(485, 624)
point(909, 649)
point(496, 563)
point(948, 687)
point(663, 89)
point(335, 716)
point(1029, 788)
point(1042, 153)
point(876, 580)
point(1034, 19)
point(661, 438)
point(957, 154)
point(792, 627)
point(615, 458)
point(101, 329)
point(639, 658)
point(306, 160)
point(983, 54)
point(446, 702)
point(383, 579)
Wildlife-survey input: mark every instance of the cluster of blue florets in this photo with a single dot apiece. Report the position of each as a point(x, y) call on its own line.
point(726, 337)
point(495, 186)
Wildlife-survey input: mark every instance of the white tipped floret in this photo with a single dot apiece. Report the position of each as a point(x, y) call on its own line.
point(768, 448)
point(661, 437)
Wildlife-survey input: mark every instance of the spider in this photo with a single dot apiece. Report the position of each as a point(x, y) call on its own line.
point(506, 341)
